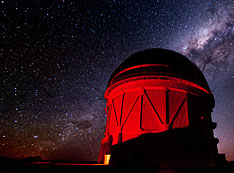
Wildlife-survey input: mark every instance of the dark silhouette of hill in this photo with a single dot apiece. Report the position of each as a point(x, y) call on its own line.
point(37, 164)
point(8, 162)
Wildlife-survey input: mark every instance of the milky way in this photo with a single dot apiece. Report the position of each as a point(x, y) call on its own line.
point(210, 46)
point(57, 57)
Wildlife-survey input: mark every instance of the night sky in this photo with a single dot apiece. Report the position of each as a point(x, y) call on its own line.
point(56, 58)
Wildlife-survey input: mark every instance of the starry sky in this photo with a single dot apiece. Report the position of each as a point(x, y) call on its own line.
point(56, 58)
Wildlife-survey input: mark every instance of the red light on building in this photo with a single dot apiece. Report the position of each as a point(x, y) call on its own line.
point(161, 93)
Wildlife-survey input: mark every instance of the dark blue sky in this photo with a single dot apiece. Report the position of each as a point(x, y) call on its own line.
point(57, 57)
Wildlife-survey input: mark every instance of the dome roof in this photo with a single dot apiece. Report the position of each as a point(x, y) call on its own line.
point(161, 62)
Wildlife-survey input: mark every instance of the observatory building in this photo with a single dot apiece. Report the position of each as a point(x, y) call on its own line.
point(159, 113)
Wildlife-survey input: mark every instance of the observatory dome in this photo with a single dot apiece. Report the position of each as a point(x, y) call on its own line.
point(159, 95)
point(160, 62)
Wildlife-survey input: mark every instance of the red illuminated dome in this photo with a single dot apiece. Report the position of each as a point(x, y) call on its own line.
point(160, 62)
point(159, 103)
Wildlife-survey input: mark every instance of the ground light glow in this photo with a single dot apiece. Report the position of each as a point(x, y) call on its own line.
point(107, 159)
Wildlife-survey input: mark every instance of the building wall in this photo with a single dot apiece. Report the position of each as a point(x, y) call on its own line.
point(178, 112)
